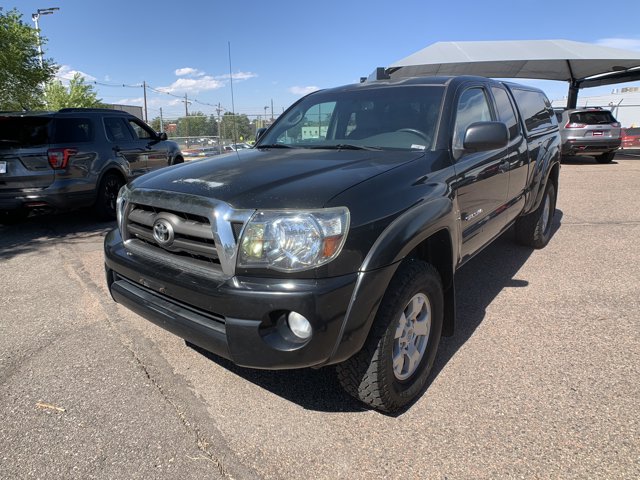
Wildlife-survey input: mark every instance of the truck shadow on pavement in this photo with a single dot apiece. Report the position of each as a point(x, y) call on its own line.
point(477, 285)
point(47, 230)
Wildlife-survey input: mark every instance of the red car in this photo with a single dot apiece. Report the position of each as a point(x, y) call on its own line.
point(630, 138)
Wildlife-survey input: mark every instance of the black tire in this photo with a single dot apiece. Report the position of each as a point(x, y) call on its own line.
point(11, 217)
point(107, 195)
point(370, 375)
point(534, 230)
point(606, 157)
point(177, 160)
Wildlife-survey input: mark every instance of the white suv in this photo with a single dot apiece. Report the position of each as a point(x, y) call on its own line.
point(589, 131)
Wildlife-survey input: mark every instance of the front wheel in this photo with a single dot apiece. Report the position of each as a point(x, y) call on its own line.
point(392, 368)
point(534, 229)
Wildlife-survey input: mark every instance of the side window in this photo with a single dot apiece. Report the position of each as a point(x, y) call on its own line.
point(72, 130)
point(117, 130)
point(506, 113)
point(472, 107)
point(535, 109)
point(141, 131)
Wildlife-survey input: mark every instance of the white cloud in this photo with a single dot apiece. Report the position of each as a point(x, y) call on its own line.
point(193, 85)
point(239, 76)
point(624, 43)
point(303, 90)
point(188, 72)
point(67, 73)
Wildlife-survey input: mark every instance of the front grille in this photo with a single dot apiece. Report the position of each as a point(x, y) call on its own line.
point(193, 236)
point(188, 232)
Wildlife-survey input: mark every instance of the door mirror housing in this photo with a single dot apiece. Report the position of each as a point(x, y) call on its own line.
point(483, 136)
point(162, 136)
point(260, 133)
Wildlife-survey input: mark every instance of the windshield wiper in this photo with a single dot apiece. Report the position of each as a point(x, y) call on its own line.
point(344, 146)
point(274, 145)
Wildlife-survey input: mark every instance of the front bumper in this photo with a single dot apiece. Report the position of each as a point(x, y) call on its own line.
point(241, 318)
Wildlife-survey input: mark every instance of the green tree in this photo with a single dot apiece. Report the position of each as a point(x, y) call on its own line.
point(77, 95)
point(21, 76)
point(235, 127)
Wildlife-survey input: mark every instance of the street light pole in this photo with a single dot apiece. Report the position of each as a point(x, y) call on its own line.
point(36, 17)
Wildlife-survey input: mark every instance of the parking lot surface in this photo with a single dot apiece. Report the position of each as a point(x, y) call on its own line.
point(539, 381)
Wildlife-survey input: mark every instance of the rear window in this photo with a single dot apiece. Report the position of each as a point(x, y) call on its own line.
point(72, 130)
point(21, 132)
point(536, 110)
point(595, 117)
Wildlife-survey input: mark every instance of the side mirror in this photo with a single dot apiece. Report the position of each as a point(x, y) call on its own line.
point(482, 136)
point(260, 133)
point(162, 135)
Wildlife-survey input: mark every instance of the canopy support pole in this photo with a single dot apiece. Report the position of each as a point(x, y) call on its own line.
point(574, 87)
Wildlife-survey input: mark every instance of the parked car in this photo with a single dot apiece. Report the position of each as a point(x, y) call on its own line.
point(341, 251)
point(589, 131)
point(630, 138)
point(75, 157)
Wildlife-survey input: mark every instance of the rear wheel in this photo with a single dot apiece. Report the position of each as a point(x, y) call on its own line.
point(392, 368)
point(107, 195)
point(605, 157)
point(177, 160)
point(534, 230)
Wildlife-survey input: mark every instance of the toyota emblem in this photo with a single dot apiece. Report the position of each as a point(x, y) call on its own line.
point(163, 232)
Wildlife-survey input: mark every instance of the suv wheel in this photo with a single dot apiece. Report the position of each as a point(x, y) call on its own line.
point(605, 157)
point(178, 159)
point(392, 368)
point(107, 195)
point(534, 230)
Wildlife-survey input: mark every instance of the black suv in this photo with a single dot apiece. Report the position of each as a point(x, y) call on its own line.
point(76, 157)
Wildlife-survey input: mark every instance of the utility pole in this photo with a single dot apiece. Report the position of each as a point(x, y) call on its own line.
point(35, 17)
point(272, 110)
point(161, 121)
point(266, 107)
point(144, 87)
point(218, 110)
point(186, 116)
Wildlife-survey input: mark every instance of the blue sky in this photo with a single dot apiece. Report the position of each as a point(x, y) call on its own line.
point(282, 49)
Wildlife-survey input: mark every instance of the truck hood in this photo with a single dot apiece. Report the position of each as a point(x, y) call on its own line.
point(282, 178)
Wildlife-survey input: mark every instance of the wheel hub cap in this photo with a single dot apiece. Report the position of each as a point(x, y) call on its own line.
point(411, 336)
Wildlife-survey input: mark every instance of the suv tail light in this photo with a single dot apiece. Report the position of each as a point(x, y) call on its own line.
point(615, 124)
point(575, 125)
point(59, 157)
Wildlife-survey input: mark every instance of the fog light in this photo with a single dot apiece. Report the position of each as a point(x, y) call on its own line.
point(299, 325)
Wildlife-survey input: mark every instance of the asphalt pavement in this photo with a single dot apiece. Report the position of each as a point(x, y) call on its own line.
point(540, 380)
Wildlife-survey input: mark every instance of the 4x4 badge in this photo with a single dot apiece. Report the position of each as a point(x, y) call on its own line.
point(163, 232)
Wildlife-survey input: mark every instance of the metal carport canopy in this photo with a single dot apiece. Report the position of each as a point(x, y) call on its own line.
point(580, 64)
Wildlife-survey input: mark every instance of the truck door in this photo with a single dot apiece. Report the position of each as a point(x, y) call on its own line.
point(517, 156)
point(482, 178)
point(121, 138)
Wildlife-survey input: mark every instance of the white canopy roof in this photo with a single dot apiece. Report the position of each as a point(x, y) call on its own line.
point(541, 59)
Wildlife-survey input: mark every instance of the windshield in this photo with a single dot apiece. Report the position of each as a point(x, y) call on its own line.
point(398, 118)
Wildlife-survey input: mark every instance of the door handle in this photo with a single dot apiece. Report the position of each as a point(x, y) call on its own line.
point(504, 166)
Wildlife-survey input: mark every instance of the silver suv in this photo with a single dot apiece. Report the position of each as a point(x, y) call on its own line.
point(589, 131)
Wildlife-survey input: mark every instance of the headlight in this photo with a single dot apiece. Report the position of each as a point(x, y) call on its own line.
point(292, 241)
point(121, 204)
